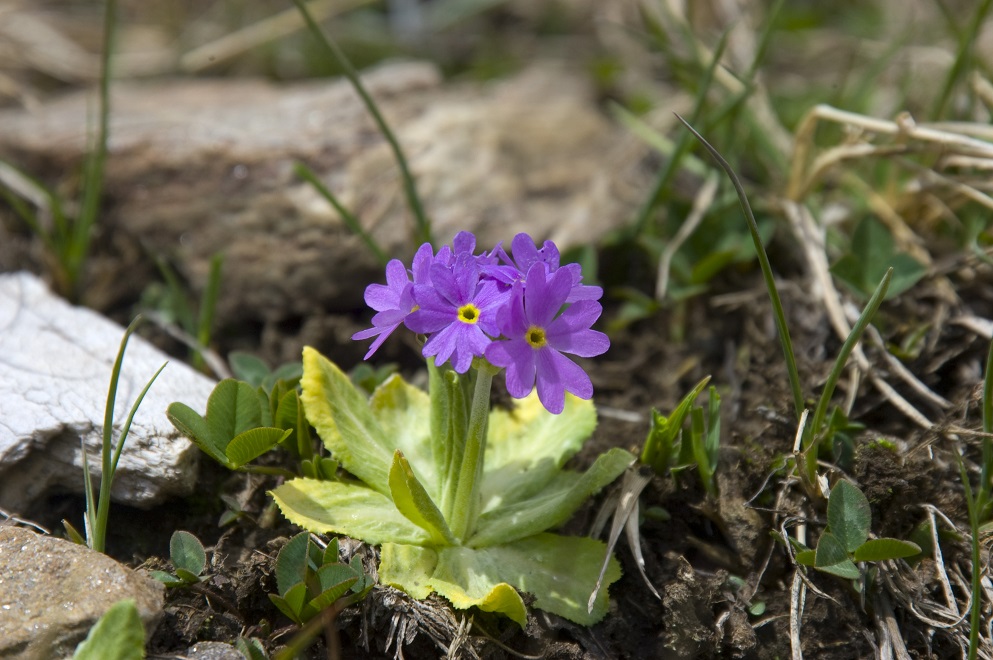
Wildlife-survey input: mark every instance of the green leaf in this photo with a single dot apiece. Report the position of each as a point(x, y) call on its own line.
point(117, 635)
point(192, 425)
point(292, 603)
point(288, 373)
point(663, 435)
point(552, 506)
point(849, 515)
point(560, 571)
point(253, 443)
point(335, 580)
point(527, 447)
point(286, 413)
point(404, 414)
point(187, 552)
point(330, 555)
point(831, 557)
point(343, 419)
point(327, 468)
point(806, 557)
point(251, 648)
point(232, 409)
point(415, 504)
point(73, 533)
point(291, 563)
point(886, 548)
point(353, 510)
point(167, 579)
point(872, 252)
point(247, 367)
point(187, 577)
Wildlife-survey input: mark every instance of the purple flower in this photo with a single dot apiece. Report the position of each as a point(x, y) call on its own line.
point(537, 339)
point(394, 302)
point(525, 255)
point(457, 310)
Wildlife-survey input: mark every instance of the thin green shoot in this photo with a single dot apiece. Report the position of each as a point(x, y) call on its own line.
point(813, 431)
point(770, 282)
point(175, 305)
point(68, 240)
point(423, 233)
point(347, 217)
point(98, 506)
point(977, 502)
point(208, 307)
point(967, 41)
point(736, 104)
point(79, 245)
point(666, 174)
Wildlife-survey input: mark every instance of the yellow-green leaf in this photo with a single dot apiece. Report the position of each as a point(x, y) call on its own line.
point(552, 506)
point(527, 446)
point(404, 414)
point(253, 443)
point(343, 419)
point(561, 572)
point(414, 502)
point(350, 509)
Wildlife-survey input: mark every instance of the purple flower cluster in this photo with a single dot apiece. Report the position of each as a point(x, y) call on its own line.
point(506, 308)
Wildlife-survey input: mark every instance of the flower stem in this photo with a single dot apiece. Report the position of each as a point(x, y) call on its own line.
point(466, 504)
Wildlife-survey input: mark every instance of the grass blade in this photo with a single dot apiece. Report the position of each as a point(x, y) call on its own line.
point(79, 243)
point(770, 282)
point(846, 350)
point(347, 217)
point(967, 40)
point(413, 200)
point(682, 146)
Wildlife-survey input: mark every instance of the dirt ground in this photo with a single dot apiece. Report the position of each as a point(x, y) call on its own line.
point(711, 561)
point(728, 585)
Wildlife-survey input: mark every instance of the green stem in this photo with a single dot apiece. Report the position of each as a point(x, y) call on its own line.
point(413, 200)
point(466, 503)
point(977, 504)
point(98, 533)
point(268, 470)
point(813, 433)
point(777, 304)
point(78, 245)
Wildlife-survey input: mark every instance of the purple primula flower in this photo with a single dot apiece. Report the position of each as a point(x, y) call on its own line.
point(525, 255)
point(394, 302)
point(458, 311)
point(537, 339)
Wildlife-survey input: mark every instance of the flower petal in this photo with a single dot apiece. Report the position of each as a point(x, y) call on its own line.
point(381, 297)
point(544, 294)
point(570, 331)
point(441, 345)
point(465, 242)
point(557, 374)
point(519, 360)
point(512, 321)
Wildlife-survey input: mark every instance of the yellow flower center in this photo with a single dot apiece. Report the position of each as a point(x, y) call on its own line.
point(469, 313)
point(535, 336)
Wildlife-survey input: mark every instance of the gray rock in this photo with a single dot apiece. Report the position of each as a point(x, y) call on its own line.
point(55, 367)
point(198, 167)
point(213, 651)
point(53, 591)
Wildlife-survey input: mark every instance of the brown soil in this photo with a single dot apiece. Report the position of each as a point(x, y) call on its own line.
point(725, 583)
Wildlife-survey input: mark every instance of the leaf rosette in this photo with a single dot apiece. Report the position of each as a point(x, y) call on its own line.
point(404, 450)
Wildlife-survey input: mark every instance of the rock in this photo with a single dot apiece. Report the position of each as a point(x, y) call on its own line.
point(198, 167)
point(53, 591)
point(55, 367)
point(213, 651)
